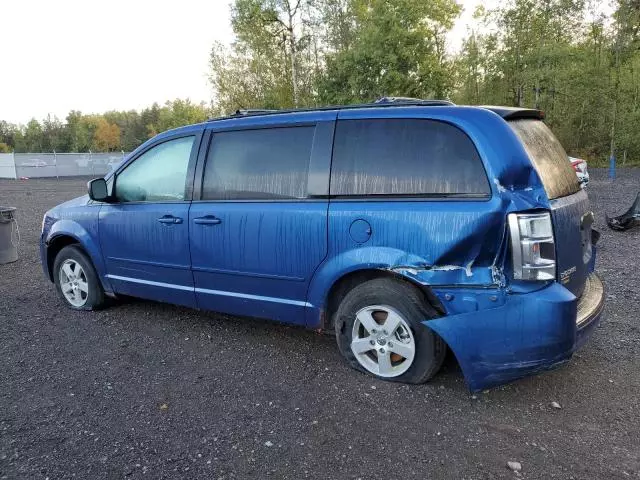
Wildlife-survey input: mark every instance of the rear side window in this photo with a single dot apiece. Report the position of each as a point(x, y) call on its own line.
point(271, 163)
point(548, 157)
point(405, 157)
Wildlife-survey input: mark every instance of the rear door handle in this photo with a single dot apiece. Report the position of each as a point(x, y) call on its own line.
point(207, 220)
point(169, 219)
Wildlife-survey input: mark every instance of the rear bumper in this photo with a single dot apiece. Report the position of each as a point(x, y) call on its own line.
point(526, 334)
point(590, 307)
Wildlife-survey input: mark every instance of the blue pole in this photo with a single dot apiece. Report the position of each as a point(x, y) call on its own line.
point(612, 167)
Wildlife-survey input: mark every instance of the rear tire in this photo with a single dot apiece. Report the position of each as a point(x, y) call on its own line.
point(379, 331)
point(76, 280)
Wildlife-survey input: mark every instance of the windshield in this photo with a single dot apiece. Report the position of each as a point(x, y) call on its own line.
point(548, 157)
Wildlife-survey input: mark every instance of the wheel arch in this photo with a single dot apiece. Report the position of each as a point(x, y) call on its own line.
point(54, 246)
point(346, 282)
point(67, 232)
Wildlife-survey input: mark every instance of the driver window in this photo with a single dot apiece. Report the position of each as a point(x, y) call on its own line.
point(157, 175)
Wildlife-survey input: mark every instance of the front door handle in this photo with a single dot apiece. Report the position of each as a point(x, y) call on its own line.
point(207, 220)
point(169, 219)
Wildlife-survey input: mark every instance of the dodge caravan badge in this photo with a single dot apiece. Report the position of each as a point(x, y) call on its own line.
point(565, 276)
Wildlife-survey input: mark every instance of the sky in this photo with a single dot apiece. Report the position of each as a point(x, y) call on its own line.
point(62, 55)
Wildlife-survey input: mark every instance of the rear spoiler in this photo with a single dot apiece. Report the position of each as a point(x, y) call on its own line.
point(514, 113)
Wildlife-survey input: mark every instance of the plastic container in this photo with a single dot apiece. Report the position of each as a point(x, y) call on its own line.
point(9, 235)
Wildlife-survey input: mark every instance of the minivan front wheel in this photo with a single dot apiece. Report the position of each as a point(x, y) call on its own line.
point(379, 331)
point(76, 280)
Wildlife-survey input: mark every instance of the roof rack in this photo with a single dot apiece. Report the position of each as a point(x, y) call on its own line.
point(379, 103)
point(411, 101)
point(252, 111)
point(245, 112)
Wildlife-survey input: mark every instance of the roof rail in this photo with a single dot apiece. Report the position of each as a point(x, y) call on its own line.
point(251, 111)
point(412, 101)
point(381, 102)
point(245, 112)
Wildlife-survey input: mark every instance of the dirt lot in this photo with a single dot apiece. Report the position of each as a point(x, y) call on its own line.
point(144, 390)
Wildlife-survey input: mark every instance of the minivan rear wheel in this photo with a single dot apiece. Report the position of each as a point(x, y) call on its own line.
point(76, 280)
point(379, 331)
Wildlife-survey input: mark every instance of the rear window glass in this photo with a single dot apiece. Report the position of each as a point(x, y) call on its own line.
point(270, 163)
point(405, 157)
point(548, 157)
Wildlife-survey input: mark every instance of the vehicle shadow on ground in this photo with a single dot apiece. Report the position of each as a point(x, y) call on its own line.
point(290, 337)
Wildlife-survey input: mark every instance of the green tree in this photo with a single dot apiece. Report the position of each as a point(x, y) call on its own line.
point(132, 130)
point(78, 133)
point(33, 137)
point(397, 49)
point(274, 61)
point(562, 56)
point(180, 112)
point(52, 134)
point(8, 133)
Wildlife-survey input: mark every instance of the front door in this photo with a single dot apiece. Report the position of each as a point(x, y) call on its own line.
point(144, 231)
point(257, 234)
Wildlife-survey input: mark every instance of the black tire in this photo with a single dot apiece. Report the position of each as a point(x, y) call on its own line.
point(409, 302)
point(95, 297)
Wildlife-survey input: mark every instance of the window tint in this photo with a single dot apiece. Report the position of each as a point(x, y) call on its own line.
point(404, 157)
point(258, 164)
point(158, 174)
point(548, 157)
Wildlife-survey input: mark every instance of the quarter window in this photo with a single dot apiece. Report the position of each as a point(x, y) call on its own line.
point(548, 157)
point(405, 157)
point(157, 175)
point(270, 163)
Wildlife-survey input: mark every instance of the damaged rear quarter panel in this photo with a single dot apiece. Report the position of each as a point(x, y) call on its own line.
point(447, 244)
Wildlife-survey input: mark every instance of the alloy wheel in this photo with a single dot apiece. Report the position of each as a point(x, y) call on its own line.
point(382, 341)
point(73, 283)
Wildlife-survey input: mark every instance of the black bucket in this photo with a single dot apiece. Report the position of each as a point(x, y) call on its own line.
point(9, 235)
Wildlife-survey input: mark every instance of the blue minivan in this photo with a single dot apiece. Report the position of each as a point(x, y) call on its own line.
point(406, 227)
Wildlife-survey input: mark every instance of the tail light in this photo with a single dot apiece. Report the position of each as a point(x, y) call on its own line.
point(578, 164)
point(532, 246)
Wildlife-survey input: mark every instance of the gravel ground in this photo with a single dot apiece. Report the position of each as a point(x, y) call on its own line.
point(145, 390)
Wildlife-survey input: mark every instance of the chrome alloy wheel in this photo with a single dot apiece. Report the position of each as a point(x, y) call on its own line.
point(382, 341)
point(73, 283)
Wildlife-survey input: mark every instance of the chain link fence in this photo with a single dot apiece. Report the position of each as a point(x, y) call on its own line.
point(38, 165)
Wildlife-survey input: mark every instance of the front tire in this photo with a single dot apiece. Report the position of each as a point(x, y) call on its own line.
point(76, 280)
point(379, 331)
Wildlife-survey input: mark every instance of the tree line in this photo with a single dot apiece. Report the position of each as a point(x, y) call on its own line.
point(574, 59)
point(107, 132)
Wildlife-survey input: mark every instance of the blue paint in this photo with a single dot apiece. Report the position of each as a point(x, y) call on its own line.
point(527, 334)
point(223, 293)
point(258, 298)
point(279, 259)
point(360, 231)
point(612, 167)
point(140, 281)
point(567, 216)
point(77, 220)
point(148, 250)
point(261, 250)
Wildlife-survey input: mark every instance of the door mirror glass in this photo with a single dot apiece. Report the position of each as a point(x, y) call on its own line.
point(98, 190)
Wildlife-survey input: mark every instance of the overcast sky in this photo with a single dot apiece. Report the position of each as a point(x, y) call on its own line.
point(92, 56)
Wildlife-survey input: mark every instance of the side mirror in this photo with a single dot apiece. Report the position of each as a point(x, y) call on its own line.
point(98, 190)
